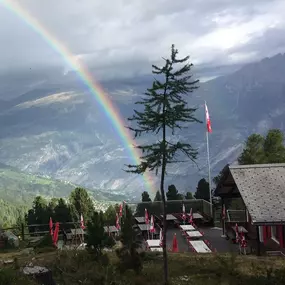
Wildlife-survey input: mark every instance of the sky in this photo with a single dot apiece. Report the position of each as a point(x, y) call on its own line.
point(123, 38)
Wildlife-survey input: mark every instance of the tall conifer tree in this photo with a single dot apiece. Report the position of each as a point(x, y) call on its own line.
point(164, 111)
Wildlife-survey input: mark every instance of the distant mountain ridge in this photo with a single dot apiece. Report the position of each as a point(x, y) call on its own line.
point(20, 187)
point(65, 135)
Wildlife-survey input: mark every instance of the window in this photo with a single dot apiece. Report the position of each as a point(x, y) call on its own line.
point(275, 233)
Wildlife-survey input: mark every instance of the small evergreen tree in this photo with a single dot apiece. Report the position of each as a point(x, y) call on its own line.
point(129, 256)
point(172, 193)
point(157, 196)
point(253, 152)
point(145, 197)
point(202, 191)
point(189, 196)
point(164, 111)
point(81, 203)
point(97, 238)
point(110, 216)
point(259, 149)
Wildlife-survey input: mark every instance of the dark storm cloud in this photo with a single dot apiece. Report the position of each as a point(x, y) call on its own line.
point(122, 38)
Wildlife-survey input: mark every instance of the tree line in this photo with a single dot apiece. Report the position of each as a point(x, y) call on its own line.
point(202, 192)
point(261, 149)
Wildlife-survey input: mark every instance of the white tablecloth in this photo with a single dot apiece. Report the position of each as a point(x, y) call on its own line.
point(156, 249)
point(169, 217)
point(153, 242)
point(194, 234)
point(140, 219)
point(200, 246)
point(187, 228)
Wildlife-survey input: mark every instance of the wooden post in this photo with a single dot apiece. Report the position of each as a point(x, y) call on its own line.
point(23, 231)
point(258, 241)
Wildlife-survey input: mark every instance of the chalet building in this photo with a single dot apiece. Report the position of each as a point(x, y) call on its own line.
point(261, 188)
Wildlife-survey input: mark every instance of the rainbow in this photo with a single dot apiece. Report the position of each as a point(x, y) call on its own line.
point(96, 90)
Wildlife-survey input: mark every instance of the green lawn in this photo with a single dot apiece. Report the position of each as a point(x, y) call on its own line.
point(81, 268)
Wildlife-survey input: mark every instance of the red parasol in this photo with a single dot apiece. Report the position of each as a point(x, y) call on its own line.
point(55, 234)
point(50, 226)
point(174, 244)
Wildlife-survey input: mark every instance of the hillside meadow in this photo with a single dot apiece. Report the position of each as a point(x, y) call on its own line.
point(81, 267)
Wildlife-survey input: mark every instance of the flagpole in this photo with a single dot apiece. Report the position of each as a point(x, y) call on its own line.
point(209, 168)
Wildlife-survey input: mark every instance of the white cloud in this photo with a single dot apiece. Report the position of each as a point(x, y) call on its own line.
point(123, 37)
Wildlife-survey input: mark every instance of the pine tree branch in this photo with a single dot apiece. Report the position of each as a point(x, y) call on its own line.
point(165, 106)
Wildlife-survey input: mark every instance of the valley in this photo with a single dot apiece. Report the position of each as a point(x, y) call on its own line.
point(64, 135)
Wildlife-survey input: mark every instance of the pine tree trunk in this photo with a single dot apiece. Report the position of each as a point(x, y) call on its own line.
point(165, 262)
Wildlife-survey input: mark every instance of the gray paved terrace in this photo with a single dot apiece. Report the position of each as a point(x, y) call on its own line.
point(213, 235)
point(182, 244)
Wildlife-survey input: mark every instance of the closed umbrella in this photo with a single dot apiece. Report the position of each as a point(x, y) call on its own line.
point(50, 226)
point(191, 217)
point(183, 213)
point(55, 234)
point(174, 244)
point(161, 237)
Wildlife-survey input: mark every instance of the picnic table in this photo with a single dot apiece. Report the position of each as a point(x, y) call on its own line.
point(140, 220)
point(197, 216)
point(156, 249)
point(169, 217)
point(200, 246)
point(241, 229)
point(144, 227)
point(110, 229)
point(187, 228)
point(194, 234)
point(153, 242)
point(231, 232)
point(77, 231)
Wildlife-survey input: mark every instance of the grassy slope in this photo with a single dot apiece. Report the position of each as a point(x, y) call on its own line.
point(16, 186)
point(80, 267)
point(19, 187)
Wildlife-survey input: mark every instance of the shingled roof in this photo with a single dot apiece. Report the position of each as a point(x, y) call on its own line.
point(262, 187)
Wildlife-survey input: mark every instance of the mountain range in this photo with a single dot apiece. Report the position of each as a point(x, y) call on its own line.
point(63, 134)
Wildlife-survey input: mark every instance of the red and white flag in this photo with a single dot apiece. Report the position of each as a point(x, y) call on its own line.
point(243, 242)
point(117, 222)
point(237, 233)
point(160, 237)
point(151, 229)
point(121, 210)
point(183, 212)
point(82, 226)
point(146, 219)
point(208, 121)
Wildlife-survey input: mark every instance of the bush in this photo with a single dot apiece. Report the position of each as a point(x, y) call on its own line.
point(45, 242)
point(129, 259)
point(9, 276)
